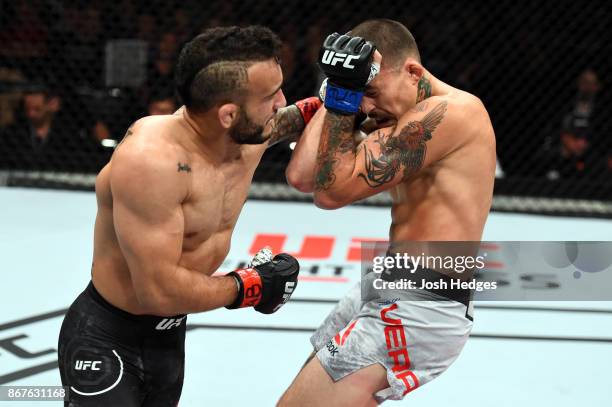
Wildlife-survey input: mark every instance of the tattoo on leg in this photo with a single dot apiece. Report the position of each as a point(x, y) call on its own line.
point(339, 140)
point(405, 150)
point(184, 167)
point(423, 89)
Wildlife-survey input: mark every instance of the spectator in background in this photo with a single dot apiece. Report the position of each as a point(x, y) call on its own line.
point(161, 70)
point(147, 28)
point(580, 144)
point(11, 82)
point(162, 102)
point(291, 84)
point(181, 26)
point(46, 139)
point(77, 49)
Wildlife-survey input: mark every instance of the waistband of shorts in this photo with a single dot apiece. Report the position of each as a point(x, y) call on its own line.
point(142, 323)
point(461, 295)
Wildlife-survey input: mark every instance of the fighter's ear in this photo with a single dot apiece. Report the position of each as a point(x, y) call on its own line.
point(413, 68)
point(228, 114)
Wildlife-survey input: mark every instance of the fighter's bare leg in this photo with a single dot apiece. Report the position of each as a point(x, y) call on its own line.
point(314, 387)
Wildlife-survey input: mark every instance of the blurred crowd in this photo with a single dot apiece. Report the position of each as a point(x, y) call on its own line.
point(74, 74)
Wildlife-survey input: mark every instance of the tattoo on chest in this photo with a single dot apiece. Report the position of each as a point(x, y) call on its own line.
point(404, 151)
point(339, 141)
point(184, 167)
point(423, 89)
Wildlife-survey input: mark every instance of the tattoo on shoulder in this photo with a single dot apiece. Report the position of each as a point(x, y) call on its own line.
point(402, 151)
point(128, 133)
point(423, 89)
point(184, 167)
point(420, 107)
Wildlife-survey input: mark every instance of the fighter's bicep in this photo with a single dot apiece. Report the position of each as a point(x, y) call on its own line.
point(147, 213)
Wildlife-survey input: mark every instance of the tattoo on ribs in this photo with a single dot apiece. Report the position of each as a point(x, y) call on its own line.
point(423, 89)
point(184, 167)
point(403, 150)
point(339, 140)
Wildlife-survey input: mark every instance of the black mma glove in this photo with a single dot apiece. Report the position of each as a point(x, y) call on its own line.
point(347, 62)
point(266, 286)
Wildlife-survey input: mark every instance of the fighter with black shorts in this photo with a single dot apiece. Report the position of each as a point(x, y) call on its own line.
point(168, 202)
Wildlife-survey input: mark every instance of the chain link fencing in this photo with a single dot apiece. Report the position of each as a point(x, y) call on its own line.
point(75, 74)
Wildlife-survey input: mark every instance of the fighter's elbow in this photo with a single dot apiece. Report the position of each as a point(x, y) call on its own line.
point(298, 181)
point(325, 201)
point(154, 301)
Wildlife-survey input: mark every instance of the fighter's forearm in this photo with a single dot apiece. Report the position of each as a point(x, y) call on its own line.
point(337, 151)
point(287, 125)
point(301, 169)
point(187, 291)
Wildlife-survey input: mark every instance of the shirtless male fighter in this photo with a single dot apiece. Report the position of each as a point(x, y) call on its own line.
point(168, 202)
point(434, 151)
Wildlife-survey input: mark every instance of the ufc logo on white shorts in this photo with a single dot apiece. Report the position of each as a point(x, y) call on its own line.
point(289, 287)
point(87, 364)
point(332, 58)
point(169, 323)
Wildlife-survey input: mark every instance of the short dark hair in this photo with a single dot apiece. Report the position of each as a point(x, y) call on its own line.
point(212, 67)
point(392, 39)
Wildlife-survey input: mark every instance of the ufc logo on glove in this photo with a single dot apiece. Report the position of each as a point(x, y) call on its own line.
point(332, 58)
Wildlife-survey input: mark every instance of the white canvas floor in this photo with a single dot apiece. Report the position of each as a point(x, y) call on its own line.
point(558, 355)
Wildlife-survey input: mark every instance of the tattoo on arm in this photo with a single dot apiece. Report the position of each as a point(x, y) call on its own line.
point(423, 89)
point(128, 133)
point(337, 139)
point(403, 150)
point(288, 124)
point(184, 167)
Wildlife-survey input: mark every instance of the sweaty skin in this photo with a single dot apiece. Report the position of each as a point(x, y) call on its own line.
point(434, 151)
point(437, 160)
point(168, 202)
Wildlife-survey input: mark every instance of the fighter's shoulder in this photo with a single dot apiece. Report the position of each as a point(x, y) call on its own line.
point(152, 135)
point(157, 128)
point(146, 156)
point(459, 112)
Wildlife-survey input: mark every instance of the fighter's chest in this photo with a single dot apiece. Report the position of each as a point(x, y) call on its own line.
point(216, 200)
